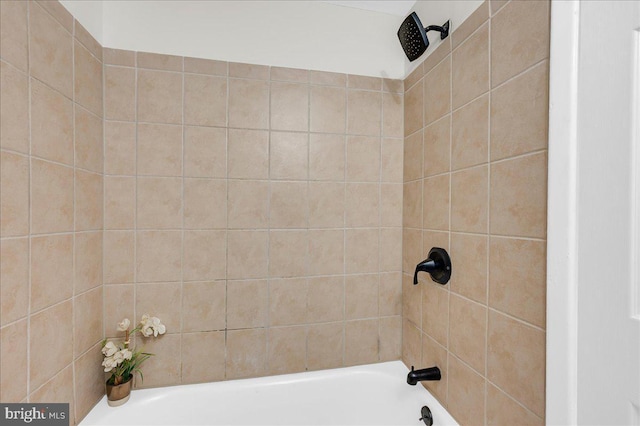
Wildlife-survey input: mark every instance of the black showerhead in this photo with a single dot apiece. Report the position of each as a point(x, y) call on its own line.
point(413, 36)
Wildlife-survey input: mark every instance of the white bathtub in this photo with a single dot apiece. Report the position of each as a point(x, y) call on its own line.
point(375, 394)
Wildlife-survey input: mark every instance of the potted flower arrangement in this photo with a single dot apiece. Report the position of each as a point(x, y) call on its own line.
point(123, 362)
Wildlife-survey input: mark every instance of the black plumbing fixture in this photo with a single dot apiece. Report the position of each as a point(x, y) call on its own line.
point(413, 36)
point(426, 374)
point(438, 264)
point(427, 417)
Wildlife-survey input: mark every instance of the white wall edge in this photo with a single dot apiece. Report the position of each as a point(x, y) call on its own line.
point(89, 13)
point(562, 215)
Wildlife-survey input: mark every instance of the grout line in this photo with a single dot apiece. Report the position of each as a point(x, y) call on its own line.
point(345, 139)
point(135, 194)
point(521, 73)
point(182, 208)
point(308, 257)
point(75, 222)
point(493, 14)
point(487, 243)
point(513, 399)
point(268, 324)
point(516, 319)
point(30, 219)
point(48, 85)
point(449, 57)
point(472, 100)
point(104, 192)
point(226, 254)
point(473, 33)
point(520, 156)
point(380, 204)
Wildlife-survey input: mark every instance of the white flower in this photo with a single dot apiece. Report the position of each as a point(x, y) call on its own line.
point(118, 357)
point(146, 330)
point(151, 326)
point(124, 324)
point(109, 364)
point(158, 327)
point(109, 349)
point(126, 354)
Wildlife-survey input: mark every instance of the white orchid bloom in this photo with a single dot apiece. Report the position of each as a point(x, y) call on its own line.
point(109, 349)
point(146, 330)
point(151, 326)
point(109, 364)
point(126, 354)
point(124, 324)
point(158, 327)
point(118, 357)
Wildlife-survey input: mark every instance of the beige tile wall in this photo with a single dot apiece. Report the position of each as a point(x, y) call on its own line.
point(256, 210)
point(475, 167)
point(51, 124)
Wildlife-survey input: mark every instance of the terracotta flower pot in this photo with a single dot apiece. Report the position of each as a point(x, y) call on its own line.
point(118, 394)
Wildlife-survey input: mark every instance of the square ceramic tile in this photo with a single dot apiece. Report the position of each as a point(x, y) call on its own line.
point(50, 51)
point(363, 159)
point(205, 152)
point(158, 256)
point(14, 33)
point(159, 150)
point(120, 93)
point(289, 106)
point(520, 114)
point(247, 304)
point(14, 105)
point(289, 156)
point(470, 68)
point(508, 58)
point(516, 360)
point(470, 135)
point(287, 350)
point(14, 279)
point(205, 100)
point(14, 195)
point(52, 124)
point(328, 110)
point(51, 197)
point(87, 79)
point(364, 112)
point(248, 154)
point(248, 104)
point(159, 97)
point(519, 196)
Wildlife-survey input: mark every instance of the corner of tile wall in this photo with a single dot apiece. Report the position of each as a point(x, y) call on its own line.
point(51, 230)
point(475, 162)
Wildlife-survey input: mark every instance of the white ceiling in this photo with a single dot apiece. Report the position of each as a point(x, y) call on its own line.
point(353, 37)
point(392, 7)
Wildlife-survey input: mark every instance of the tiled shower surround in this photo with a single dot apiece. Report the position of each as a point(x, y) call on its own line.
point(475, 167)
point(258, 211)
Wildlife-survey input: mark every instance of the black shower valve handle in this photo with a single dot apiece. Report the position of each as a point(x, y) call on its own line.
point(438, 265)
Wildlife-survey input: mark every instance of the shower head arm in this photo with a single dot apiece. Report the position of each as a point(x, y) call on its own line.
point(444, 30)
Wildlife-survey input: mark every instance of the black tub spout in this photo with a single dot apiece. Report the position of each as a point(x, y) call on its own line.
point(429, 374)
